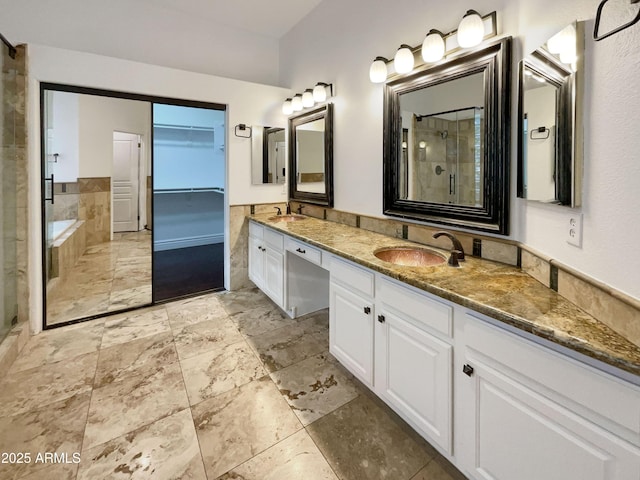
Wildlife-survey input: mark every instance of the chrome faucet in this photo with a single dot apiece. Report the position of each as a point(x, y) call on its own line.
point(457, 252)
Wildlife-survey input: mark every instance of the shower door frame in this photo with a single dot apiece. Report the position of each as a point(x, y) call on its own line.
point(58, 87)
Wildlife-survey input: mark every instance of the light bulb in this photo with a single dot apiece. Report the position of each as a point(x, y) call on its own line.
point(307, 98)
point(422, 144)
point(403, 61)
point(287, 107)
point(433, 46)
point(378, 70)
point(320, 92)
point(471, 30)
point(297, 103)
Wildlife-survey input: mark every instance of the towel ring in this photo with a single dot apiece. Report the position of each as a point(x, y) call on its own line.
point(598, 37)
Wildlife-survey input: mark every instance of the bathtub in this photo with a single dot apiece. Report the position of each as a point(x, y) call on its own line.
point(68, 244)
point(59, 227)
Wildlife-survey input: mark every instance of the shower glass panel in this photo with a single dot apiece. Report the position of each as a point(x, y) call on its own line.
point(447, 155)
point(188, 200)
point(8, 205)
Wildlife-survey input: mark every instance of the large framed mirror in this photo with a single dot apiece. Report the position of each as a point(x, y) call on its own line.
point(311, 156)
point(550, 105)
point(268, 155)
point(446, 141)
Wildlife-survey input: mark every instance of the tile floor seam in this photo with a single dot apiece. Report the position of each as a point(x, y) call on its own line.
point(84, 431)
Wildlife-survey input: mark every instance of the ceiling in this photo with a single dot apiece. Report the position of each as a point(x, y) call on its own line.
point(273, 18)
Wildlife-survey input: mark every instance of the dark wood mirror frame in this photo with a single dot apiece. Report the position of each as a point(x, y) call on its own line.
point(325, 112)
point(494, 60)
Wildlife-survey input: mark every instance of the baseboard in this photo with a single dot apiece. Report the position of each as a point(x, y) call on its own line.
point(186, 242)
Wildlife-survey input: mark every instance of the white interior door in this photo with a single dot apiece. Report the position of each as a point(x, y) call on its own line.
point(125, 182)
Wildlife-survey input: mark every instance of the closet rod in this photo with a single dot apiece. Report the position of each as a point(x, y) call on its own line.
point(183, 127)
point(12, 49)
point(189, 190)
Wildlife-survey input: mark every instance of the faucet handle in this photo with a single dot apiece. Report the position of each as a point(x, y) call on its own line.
point(300, 207)
point(453, 259)
point(279, 212)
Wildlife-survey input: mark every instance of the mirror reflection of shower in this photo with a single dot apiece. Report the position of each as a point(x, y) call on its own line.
point(448, 142)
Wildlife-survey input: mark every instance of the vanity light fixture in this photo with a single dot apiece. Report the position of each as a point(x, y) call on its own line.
point(403, 61)
point(378, 70)
point(433, 47)
point(470, 30)
point(322, 91)
point(287, 107)
point(297, 102)
point(307, 98)
point(473, 29)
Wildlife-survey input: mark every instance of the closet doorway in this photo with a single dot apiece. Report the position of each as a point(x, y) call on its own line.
point(101, 253)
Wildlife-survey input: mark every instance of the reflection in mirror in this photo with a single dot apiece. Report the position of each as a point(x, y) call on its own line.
point(445, 131)
point(268, 159)
point(550, 148)
point(96, 163)
point(311, 156)
point(446, 138)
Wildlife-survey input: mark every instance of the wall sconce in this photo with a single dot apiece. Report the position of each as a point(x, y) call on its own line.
point(422, 144)
point(403, 61)
point(472, 30)
point(433, 47)
point(287, 107)
point(308, 98)
point(378, 70)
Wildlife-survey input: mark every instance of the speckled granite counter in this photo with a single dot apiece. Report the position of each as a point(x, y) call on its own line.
point(499, 291)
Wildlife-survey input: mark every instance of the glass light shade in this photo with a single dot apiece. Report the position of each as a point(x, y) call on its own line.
point(422, 144)
point(378, 70)
point(307, 98)
point(568, 56)
point(404, 144)
point(403, 61)
point(433, 47)
point(297, 103)
point(287, 107)
point(320, 92)
point(471, 30)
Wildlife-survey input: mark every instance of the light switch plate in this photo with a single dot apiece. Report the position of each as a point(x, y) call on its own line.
point(574, 229)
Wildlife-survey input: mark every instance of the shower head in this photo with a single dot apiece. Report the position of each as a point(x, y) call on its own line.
point(444, 134)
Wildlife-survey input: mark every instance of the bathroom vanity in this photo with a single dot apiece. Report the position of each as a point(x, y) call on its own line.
point(502, 375)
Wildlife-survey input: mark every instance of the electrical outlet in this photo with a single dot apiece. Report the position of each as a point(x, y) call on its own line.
point(574, 229)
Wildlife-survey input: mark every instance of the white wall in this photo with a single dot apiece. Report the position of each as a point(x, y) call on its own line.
point(64, 135)
point(539, 105)
point(338, 41)
point(246, 103)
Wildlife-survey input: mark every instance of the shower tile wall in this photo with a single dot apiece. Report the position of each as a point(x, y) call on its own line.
point(67, 198)
point(95, 208)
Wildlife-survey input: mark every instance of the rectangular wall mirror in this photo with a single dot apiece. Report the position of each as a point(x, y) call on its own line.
point(446, 141)
point(311, 156)
point(268, 155)
point(550, 106)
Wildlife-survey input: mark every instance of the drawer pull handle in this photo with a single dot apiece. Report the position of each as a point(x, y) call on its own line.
point(381, 318)
point(299, 250)
point(467, 369)
point(367, 310)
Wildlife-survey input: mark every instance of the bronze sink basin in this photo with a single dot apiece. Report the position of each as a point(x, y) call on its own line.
point(410, 256)
point(290, 217)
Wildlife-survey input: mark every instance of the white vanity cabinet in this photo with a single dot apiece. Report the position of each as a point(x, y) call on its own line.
point(266, 261)
point(414, 358)
point(351, 318)
point(526, 412)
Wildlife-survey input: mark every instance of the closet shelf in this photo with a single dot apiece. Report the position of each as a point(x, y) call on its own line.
point(183, 127)
point(189, 190)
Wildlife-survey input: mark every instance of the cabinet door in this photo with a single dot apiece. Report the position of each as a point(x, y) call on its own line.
point(413, 375)
point(274, 275)
point(515, 432)
point(256, 261)
point(351, 332)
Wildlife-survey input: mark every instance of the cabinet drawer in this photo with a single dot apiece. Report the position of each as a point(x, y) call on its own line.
point(312, 254)
point(420, 308)
point(352, 276)
point(274, 239)
point(605, 400)
point(256, 230)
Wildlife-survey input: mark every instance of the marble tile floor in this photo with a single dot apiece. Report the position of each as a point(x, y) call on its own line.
point(221, 386)
point(109, 276)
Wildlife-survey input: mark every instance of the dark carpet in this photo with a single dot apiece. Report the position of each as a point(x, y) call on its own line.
point(187, 271)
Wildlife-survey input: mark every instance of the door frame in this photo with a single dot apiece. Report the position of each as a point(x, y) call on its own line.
point(59, 87)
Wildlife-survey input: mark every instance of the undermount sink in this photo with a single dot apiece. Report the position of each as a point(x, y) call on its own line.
point(287, 218)
point(410, 256)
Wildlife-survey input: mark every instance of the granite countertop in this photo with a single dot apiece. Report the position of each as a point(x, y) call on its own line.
point(499, 291)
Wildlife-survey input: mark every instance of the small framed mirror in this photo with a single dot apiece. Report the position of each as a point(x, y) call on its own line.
point(446, 141)
point(268, 155)
point(550, 106)
point(311, 156)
